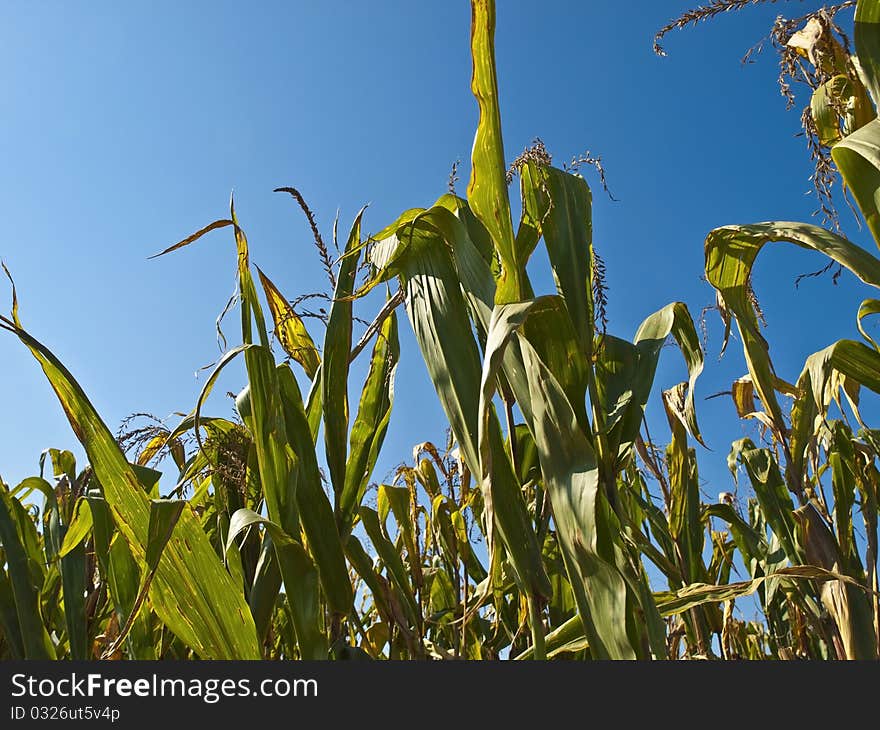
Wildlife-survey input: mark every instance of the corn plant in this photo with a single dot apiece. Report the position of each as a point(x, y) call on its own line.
point(529, 533)
point(806, 444)
point(580, 391)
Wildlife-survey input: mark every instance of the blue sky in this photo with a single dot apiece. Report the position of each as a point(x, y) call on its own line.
point(126, 125)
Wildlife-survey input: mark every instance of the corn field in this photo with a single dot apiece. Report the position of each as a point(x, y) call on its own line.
point(536, 531)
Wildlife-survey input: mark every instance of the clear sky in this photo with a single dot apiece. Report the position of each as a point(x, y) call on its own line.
point(125, 126)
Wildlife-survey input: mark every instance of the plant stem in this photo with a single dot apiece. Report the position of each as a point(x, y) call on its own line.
point(539, 651)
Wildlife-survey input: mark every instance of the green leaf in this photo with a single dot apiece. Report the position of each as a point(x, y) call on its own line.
point(397, 499)
point(824, 104)
point(752, 546)
point(363, 565)
point(550, 332)
point(63, 464)
point(164, 516)
point(337, 350)
point(217, 623)
point(866, 308)
point(625, 374)
point(123, 578)
point(73, 567)
point(867, 37)
point(840, 101)
point(851, 358)
point(79, 528)
point(264, 591)
point(568, 464)
point(315, 511)
point(730, 254)
point(35, 640)
point(452, 221)
point(567, 637)
point(857, 156)
point(266, 421)
point(9, 619)
point(775, 501)
point(29, 484)
point(674, 319)
point(487, 188)
point(300, 581)
point(390, 555)
point(438, 312)
point(685, 524)
point(370, 424)
point(267, 417)
point(843, 483)
point(563, 215)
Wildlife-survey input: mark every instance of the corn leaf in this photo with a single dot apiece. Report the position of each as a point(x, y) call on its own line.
point(290, 329)
point(164, 516)
point(867, 38)
point(845, 599)
point(685, 523)
point(390, 556)
point(730, 254)
point(701, 593)
point(370, 424)
point(9, 619)
point(866, 308)
point(35, 640)
point(267, 418)
point(123, 578)
point(857, 156)
point(222, 223)
point(315, 511)
point(776, 503)
point(264, 591)
point(217, 623)
point(439, 316)
point(300, 581)
point(487, 188)
point(851, 358)
point(563, 215)
point(334, 373)
point(567, 637)
point(568, 464)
